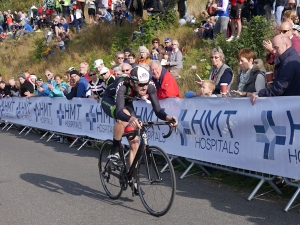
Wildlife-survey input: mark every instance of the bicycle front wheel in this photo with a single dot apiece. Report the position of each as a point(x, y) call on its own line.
point(109, 174)
point(156, 189)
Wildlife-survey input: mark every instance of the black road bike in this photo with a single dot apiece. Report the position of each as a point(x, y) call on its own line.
point(156, 189)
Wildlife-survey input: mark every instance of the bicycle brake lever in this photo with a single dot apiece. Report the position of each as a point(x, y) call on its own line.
point(176, 130)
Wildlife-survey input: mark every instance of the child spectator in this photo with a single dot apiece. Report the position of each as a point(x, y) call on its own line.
point(208, 29)
point(61, 43)
point(206, 90)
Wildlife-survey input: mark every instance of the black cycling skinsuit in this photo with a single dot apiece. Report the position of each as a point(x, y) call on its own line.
point(120, 95)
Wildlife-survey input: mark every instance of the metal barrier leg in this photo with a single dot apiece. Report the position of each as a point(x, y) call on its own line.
point(82, 144)
point(166, 166)
point(204, 170)
point(271, 183)
point(180, 162)
point(51, 136)
point(187, 170)
point(6, 124)
point(28, 131)
point(8, 127)
point(44, 134)
point(74, 142)
point(288, 206)
point(22, 130)
point(258, 186)
point(94, 144)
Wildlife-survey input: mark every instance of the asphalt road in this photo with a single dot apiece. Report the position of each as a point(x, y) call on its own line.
point(50, 183)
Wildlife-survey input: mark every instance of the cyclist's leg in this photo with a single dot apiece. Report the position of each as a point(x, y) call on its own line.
point(108, 106)
point(133, 144)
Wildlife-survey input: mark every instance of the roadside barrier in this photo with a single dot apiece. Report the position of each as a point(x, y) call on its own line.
point(260, 141)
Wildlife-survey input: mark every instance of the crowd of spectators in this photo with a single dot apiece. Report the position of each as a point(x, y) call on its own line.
point(227, 17)
point(91, 81)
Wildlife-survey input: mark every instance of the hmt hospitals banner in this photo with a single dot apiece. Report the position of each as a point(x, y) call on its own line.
point(226, 131)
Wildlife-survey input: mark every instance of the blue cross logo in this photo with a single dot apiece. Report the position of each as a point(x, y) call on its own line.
point(183, 127)
point(270, 134)
point(18, 111)
point(37, 112)
point(91, 117)
point(60, 114)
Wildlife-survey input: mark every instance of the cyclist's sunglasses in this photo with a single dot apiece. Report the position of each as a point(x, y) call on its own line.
point(142, 84)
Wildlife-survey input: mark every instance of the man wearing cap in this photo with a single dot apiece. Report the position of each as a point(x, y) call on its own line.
point(96, 85)
point(168, 46)
point(98, 64)
point(80, 88)
point(107, 77)
point(165, 83)
point(117, 103)
point(127, 52)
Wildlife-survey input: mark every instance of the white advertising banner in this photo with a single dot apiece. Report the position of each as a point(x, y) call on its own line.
point(227, 131)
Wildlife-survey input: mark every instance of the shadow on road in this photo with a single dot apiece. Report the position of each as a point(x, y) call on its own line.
point(61, 186)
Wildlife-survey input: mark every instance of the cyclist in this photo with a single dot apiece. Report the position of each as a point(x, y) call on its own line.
point(117, 103)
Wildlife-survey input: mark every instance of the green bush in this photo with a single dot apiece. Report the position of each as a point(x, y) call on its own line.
point(252, 36)
point(154, 24)
point(39, 49)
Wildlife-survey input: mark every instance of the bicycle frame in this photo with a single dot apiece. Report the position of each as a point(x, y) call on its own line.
point(143, 147)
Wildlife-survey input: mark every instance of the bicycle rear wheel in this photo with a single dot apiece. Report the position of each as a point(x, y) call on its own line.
point(156, 189)
point(109, 174)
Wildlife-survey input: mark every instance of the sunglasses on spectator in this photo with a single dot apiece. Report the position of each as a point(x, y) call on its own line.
point(102, 74)
point(120, 57)
point(142, 84)
point(47, 75)
point(92, 74)
point(155, 41)
point(283, 31)
point(126, 70)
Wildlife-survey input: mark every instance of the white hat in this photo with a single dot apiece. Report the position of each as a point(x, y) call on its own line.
point(143, 49)
point(32, 76)
point(104, 70)
point(71, 68)
point(139, 74)
point(98, 62)
point(296, 27)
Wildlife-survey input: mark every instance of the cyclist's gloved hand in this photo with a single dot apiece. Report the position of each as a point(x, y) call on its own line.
point(135, 123)
point(172, 119)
